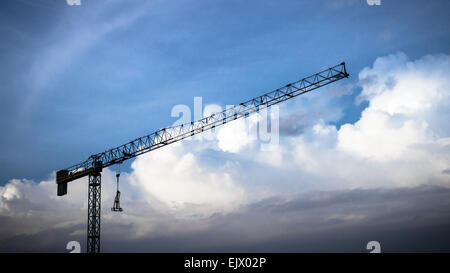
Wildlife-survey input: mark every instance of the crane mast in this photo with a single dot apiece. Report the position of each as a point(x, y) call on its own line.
point(94, 165)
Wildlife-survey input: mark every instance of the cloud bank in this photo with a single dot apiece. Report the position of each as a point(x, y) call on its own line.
point(401, 138)
point(386, 174)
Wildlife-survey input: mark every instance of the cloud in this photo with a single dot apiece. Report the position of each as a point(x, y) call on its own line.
point(174, 176)
point(403, 219)
point(234, 136)
point(387, 174)
point(404, 123)
point(401, 138)
point(29, 208)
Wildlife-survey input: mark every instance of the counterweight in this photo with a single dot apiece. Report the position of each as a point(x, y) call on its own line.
point(93, 166)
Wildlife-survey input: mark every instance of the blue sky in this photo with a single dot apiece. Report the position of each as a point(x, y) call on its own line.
point(79, 79)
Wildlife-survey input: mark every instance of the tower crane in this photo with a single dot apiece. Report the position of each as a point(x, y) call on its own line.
point(93, 166)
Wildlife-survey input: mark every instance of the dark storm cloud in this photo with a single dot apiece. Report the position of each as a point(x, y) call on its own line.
point(407, 220)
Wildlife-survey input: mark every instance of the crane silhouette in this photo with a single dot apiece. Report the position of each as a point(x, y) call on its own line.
point(94, 165)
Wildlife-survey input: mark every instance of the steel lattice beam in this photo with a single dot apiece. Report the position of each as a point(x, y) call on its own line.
point(94, 209)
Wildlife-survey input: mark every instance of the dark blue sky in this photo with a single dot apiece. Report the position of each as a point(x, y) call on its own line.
point(76, 80)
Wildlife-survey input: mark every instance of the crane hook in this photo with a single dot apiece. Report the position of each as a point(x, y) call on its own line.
point(116, 206)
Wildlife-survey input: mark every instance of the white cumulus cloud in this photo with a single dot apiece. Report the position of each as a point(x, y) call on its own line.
point(405, 101)
point(402, 136)
point(175, 177)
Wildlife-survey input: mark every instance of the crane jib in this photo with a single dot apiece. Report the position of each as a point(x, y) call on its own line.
point(166, 136)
